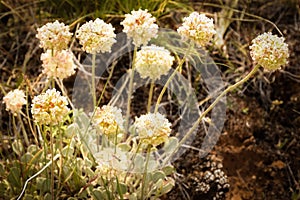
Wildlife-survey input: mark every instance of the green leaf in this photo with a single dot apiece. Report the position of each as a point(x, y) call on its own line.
point(159, 175)
point(2, 170)
point(168, 187)
point(67, 151)
point(3, 188)
point(168, 170)
point(47, 196)
point(28, 197)
point(171, 145)
point(97, 194)
point(124, 147)
point(26, 158)
point(138, 163)
point(17, 147)
point(37, 157)
point(43, 184)
point(32, 149)
point(14, 177)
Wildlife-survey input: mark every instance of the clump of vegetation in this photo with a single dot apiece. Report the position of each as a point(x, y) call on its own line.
point(62, 150)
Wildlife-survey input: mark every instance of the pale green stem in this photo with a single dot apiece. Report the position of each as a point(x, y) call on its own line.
point(228, 89)
point(170, 79)
point(145, 171)
point(107, 81)
point(150, 96)
point(52, 165)
point(23, 130)
point(130, 90)
point(93, 79)
point(16, 130)
point(63, 90)
point(60, 163)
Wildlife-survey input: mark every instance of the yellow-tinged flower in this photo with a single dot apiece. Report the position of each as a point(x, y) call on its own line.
point(140, 26)
point(49, 107)
point(96, 36)
point(14, 100)
point(153, 61)
point(109, 120)
point(269, 51)
point(153, 128)
point(58, 64)
point(198, 28)
point(54, 36)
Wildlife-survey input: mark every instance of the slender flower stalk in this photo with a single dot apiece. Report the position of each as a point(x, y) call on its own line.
point(95, 37)
point(150, 96)
point(131, 78)
point(93, 80)
point(203, 114)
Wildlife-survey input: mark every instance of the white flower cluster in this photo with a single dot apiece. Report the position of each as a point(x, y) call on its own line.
point(109, 120)
point(153, 62)
point(153, 129)
point(140, 26)
point(58, 63)
point(54, 36)
point(269, 51)
point(96, 36)
point(49, 107)
point(14, 100)
point(198, 28)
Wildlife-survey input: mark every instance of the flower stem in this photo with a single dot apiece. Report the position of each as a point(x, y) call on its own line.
point(93, 79)
point(52, 165)
point(145, 172)
point(150, 96)
point(130, 90)
point(170, 79)
point(23, 130)
point(228, 89)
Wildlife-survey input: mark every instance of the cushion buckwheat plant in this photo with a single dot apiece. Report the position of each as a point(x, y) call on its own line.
point(49, 108)
point(269, 51)
point(140, 26)
point(153, 62)
point(58, 64)
point(153, 129)
point(198, 28)
point(108, 120)
point(54, 36)
point(14, 100)
point(96, 36)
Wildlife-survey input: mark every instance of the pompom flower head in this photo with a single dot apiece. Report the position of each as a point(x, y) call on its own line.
point(198, 28)
point(109, 120)
point(96, 36)
point(153, 129)
point(14, 100)
point(140, 26)
point(54, 36)
point(58, 64)
point(153, 62)
point(269, 51)
point(49, 107)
